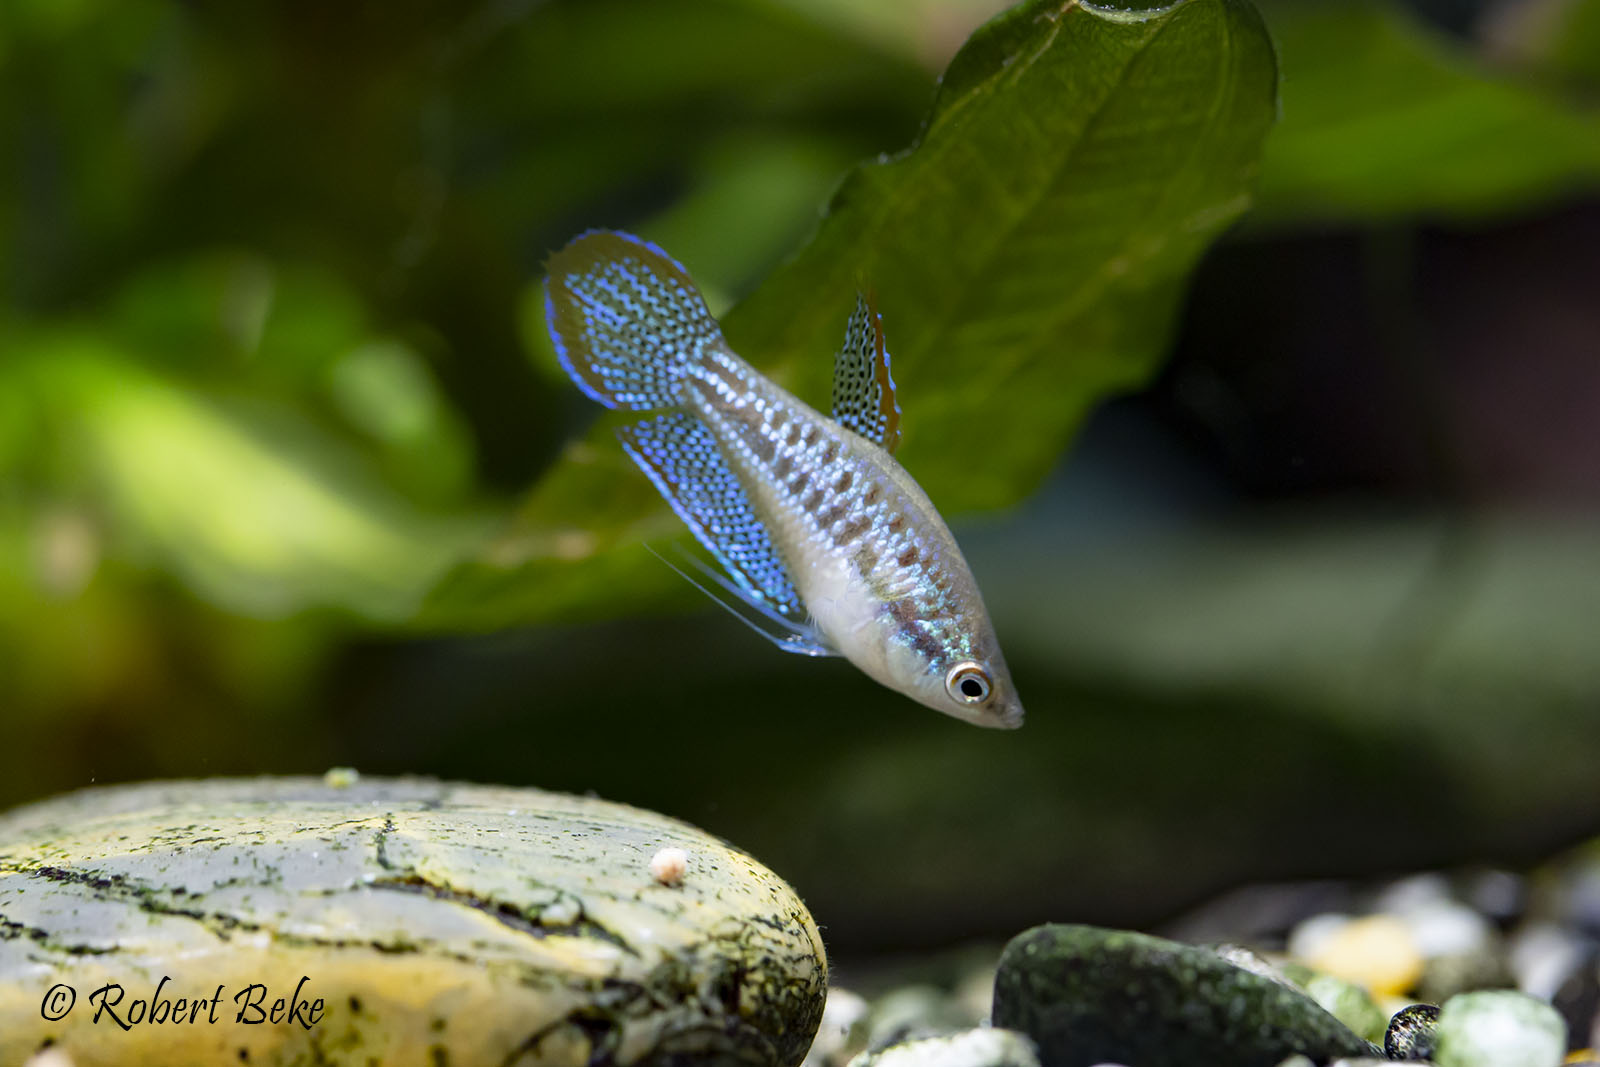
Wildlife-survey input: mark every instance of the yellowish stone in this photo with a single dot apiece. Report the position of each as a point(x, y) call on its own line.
point(413, 923)
point(1376, 952)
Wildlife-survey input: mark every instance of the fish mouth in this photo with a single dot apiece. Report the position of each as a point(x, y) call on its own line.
point(1005, 718)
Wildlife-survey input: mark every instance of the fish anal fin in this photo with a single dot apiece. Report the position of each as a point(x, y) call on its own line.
point(863, 389)
point(681, 457)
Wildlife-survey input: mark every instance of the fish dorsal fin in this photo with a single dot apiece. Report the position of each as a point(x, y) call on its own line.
point(681, 457)
point(863, 391)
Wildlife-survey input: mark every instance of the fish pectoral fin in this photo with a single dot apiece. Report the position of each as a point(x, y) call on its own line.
point(802, 637)
point(863, 391)
point(682, 458)
point(804, 640)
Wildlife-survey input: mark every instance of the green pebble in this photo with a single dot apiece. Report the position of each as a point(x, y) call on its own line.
point(1088, 996)
point(1348, 1003)
point(1499, 1028)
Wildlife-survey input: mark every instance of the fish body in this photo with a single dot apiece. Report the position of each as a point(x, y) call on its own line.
point(818, 526)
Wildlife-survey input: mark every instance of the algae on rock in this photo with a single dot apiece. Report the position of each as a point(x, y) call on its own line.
point(437, 922)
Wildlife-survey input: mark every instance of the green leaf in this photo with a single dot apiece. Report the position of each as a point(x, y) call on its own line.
point(296, 334)
point(1028, 254)
point(255, 507)
point(1383, 117)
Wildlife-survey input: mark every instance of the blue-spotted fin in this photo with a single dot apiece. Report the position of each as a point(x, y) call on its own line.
point(817, 526)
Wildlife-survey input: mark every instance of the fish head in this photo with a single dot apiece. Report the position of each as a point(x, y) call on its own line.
point(964, 678)
point(980, 692)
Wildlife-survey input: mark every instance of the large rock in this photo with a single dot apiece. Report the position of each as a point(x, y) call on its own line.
point(1088, 996)
point(401, 922)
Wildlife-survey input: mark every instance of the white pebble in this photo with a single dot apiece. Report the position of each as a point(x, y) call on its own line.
point(1542, 956)
point(983, 1047)
point(1447, 929)
point(841, 1033)
point(668, 866)
point(843, 1010)
point(50, 1057)
point(1499, 1028)
point(1307, 940)
point(1417, 891)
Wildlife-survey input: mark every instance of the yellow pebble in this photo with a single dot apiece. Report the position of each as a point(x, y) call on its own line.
point(1377, 952)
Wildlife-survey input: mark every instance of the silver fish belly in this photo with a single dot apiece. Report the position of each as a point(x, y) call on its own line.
point(817, 525)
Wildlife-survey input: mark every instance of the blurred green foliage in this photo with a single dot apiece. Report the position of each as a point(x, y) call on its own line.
point(1384, 117)
point(273, 378)
point(1027, 256)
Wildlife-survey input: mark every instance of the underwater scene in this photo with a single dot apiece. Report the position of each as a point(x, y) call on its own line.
point(799, 533)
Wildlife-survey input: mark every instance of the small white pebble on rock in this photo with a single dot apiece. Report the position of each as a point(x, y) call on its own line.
point(1499, 1028)
point(669, 865)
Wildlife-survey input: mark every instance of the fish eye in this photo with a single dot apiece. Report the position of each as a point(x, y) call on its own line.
point(968, 683)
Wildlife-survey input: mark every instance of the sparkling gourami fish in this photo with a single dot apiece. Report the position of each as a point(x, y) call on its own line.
point(819, 529)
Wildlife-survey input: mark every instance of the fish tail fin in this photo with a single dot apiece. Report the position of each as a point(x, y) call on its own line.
point(628, 323)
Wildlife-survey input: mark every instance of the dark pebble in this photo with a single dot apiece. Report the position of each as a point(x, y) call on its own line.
point(1087, 995)
point(1410, 1033)
point(1578, 1000)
